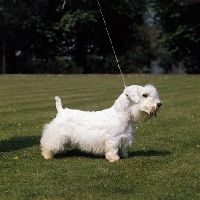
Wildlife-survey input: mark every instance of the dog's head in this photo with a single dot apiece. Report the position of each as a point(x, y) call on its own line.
point(144, 101)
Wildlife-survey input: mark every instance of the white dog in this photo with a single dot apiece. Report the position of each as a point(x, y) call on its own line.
point(108, 132)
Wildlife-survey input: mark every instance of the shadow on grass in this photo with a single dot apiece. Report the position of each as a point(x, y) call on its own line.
point(18, 143)
point(78, 153)
point(149, 153)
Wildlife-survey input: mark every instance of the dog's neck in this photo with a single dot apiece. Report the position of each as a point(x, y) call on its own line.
point(122, 106)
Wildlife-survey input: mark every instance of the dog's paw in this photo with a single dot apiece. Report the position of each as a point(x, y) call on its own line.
point(112, 158)
point(46, 154)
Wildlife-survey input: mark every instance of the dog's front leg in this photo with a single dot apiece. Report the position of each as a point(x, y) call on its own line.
point(123, 152)
point(111, 147)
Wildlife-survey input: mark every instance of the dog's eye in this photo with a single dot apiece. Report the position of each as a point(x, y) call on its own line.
point(145, 95)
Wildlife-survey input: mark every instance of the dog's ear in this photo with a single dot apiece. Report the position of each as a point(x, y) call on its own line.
point(132, 93)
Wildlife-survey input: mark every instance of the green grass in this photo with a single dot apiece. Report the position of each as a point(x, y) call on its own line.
point(163, 161)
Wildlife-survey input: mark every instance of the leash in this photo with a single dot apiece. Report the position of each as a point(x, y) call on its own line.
point(115, 55)
point(63, 4)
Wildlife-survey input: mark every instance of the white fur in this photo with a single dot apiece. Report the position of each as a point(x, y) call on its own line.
point(108, 132)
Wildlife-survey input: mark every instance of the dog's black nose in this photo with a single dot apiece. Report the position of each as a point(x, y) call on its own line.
point(159, 104)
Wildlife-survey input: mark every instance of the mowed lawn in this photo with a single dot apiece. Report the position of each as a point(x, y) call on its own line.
point(163, 162)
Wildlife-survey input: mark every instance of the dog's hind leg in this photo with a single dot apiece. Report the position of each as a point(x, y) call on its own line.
point(46, 153)
point(52, 142)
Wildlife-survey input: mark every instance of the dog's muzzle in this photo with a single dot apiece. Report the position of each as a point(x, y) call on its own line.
point(154, 113)
point(159, 104)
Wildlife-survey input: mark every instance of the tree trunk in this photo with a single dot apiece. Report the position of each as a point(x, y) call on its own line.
point(4, 57)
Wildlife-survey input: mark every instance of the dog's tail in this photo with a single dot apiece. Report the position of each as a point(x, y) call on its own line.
point(58, 104)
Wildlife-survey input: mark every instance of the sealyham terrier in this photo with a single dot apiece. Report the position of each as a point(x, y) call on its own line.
point(108, 132)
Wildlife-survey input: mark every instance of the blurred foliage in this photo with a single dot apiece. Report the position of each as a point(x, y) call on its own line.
point(179, 21)
point(35, 33)
point(30, 33)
